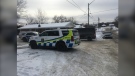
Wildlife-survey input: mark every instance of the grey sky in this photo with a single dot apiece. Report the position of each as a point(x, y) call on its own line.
point(62, 7)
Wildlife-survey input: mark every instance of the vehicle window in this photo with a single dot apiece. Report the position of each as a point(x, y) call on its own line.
point(35, 33)
point(75, 33)
point(65, 33)
point(53, 33)
point(28, 34)
point(44, 34)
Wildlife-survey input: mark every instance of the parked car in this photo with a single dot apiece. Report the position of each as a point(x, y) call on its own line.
point(59, 38)
point(26, 36)
point(87, 33)
point(22, 33)
point(107, 35)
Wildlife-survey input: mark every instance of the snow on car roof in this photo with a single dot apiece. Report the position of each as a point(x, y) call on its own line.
point(50, 25)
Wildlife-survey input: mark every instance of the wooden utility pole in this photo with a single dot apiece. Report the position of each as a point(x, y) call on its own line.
point(88, 10)
point(88, 14)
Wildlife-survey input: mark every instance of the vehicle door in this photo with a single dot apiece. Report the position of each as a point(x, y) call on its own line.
point(42, 37)
point(48, 36)
point(53, 35)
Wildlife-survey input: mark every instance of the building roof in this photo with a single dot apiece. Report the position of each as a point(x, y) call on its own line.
point(50, 25)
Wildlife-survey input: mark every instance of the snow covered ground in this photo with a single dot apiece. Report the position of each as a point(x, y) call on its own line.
point(91, 58)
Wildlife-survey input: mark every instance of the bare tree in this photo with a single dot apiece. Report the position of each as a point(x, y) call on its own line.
point(71, 19)
point(30, 19)
point(41, 17)
point(63, 18)
point(56, 19)
point(21, 5)
point(59, 19)
point(116, 21)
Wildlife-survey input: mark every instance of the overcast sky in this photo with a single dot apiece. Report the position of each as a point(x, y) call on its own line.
point(63, 7)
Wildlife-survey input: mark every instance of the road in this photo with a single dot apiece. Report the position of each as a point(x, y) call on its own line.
point(91, 58)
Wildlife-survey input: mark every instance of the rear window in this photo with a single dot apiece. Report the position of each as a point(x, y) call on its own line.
point(53, 33)
point(32, 34)
point(75, 33)
point(65, 33)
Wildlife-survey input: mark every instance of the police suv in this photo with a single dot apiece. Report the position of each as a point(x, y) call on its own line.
point(59, 38)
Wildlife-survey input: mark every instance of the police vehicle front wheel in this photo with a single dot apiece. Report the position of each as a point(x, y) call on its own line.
point(33, 44)
point(61, 46)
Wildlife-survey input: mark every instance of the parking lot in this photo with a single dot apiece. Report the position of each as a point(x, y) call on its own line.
point(91, 58)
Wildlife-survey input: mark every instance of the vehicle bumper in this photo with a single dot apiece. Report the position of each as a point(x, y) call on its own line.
point(107, 36)
point(74, 44)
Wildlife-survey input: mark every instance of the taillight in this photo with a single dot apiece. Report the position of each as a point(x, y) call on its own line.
point(72, 38)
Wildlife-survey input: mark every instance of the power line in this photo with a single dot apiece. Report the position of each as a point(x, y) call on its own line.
point(76, 3)
point(76, 6)
point(105, 10)
point(80, 8)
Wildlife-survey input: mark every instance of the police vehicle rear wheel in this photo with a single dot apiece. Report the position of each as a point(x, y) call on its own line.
point(33, 44)
point(61, 47)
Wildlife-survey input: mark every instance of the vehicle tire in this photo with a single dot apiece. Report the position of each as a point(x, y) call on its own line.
point(25, 40)
point(61, 46)
point(89, 39)
point(33, 45)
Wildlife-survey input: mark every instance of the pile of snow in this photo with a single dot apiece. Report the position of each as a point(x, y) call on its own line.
point(79, 26)
point(108, 27)
point(101, 29)
point(114, 28)
point(99, 35)
point(103, 25)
